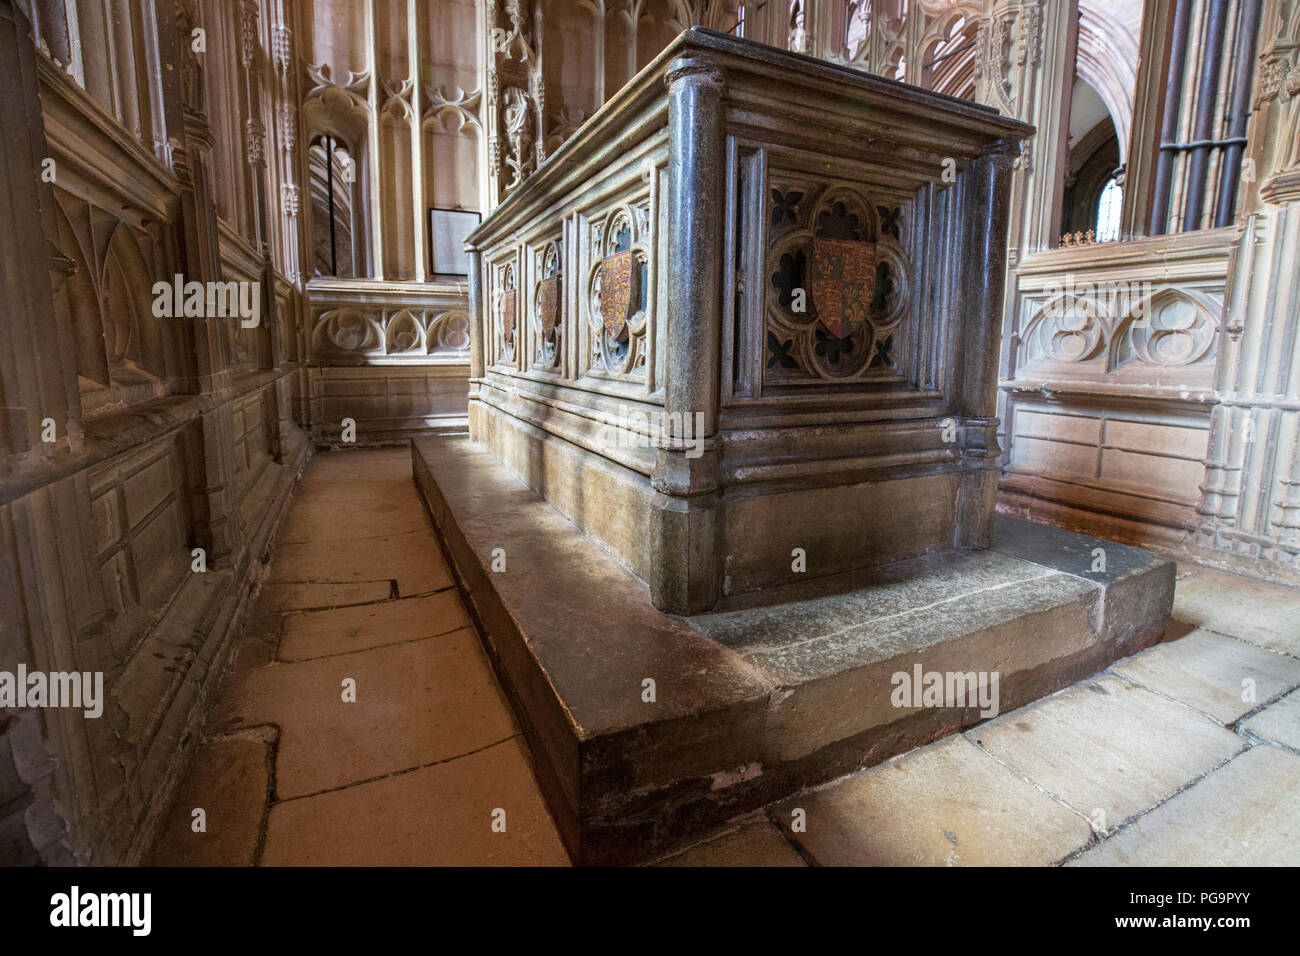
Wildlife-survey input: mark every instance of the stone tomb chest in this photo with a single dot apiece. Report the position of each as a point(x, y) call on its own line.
point(743, 327)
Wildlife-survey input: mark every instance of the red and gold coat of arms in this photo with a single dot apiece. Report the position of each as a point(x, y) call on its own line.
point(843, 283)
point(508, 316)
point(548, 306)
point(617, 291)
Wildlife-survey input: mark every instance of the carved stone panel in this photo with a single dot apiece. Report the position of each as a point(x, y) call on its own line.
point(838, 283)
point(548, 318)
point(347, 330)
point(620, 302)
point(505, 311)
point(1101, 329)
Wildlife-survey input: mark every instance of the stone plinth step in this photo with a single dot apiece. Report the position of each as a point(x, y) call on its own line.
point(647, 728)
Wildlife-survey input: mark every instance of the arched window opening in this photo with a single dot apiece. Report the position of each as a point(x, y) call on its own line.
point(949, 65)
point(1092, 166)
point(1108, 210)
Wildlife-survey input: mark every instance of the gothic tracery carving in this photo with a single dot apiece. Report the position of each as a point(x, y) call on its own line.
point(511, 39)
point(1090, 323)
point(1169, 330)
point(290, 199)
point(281, 46)
point(255, 142)
point(515, 142)
point(1029, 45)
point(1000, 59)
point(286, 117)
point(247, 33)
point(463, 106)
point(618, 333)
point(352, 333)
point(548, 325)
point(837, 283)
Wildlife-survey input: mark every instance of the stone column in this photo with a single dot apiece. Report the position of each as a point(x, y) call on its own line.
point(374, 168)
point(219, 533)
point(685, 558)
point(37, 382)
point(985, 218)
point(1164, 32)
point(1025, 68)
point(478, 317)
point(269, 354)
point(1251, 493)
point(418, 214)
point(1250, 507)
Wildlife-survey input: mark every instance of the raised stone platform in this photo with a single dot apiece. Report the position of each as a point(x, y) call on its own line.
point(773, 692)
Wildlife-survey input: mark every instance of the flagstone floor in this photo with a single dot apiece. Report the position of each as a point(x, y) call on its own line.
point(362, 724)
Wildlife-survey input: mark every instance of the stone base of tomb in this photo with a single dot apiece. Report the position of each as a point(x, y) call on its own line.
point(848, 495)
point(779, 689)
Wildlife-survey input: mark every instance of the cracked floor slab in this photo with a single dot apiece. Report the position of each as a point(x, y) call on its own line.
point(412, 771)
point(946, 804)
point(1107, 748)
point(1244, 814)
point(416, 775)
point(1220, 676)
point(1193, 791)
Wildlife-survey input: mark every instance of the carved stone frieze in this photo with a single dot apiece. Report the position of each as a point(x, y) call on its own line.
point(290, 199)
point(1099, 328)
point(353, 333)
point(247, 33)
point(282, 47)
point(255, 142)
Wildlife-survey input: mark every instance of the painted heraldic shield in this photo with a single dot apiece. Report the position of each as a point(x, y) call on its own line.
point(843, 283)
point(508, 316)
point(548, 306)
point(617, 291)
